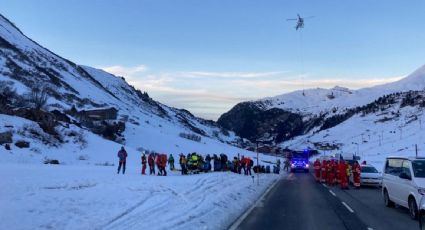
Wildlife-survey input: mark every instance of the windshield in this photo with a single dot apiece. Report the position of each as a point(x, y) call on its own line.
point(299, 155)
point(369, 170)
point(419, 168)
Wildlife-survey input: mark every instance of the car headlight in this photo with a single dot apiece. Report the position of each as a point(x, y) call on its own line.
point(421, 191)
point(306, 165)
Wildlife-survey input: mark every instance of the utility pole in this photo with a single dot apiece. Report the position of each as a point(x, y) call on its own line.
point(416, 150)
point(258, 166)
point(401, 133)
point(382, 136)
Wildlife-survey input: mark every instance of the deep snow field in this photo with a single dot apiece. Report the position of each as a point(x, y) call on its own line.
point(83, 193)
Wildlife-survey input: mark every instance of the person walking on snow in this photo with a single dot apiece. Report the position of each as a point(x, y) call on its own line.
point(243, 165)
point(122, 155)
point(287, 165)
point(151, 163)
point(208, 161)
point(143, 163)
point(183, 163)
point(171, 162)
point(163, 164)
point(278, 166)
point(249, 165)
point(158, 163)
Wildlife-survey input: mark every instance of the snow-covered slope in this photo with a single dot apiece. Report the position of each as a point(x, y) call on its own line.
point(394, 128)
point(24, 64)
point(316, 101)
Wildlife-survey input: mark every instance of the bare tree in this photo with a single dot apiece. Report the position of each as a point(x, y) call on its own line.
point(38, 96)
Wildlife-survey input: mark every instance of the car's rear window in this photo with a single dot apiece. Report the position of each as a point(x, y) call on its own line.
point(368, 169)
point(419, 168)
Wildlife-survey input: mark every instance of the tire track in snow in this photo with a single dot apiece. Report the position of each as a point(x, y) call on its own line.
point(125, 213)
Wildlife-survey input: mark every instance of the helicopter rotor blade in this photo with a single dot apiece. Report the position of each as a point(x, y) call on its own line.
point(291, 19)
point(309, 17)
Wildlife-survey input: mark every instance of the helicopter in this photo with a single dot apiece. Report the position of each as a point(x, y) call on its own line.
point(300, 21)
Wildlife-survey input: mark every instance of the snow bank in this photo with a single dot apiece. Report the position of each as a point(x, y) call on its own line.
point(94, 197)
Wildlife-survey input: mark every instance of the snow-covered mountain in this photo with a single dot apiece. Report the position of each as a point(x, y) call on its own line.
point(316, 101)
point(89, 99)
point(392, 126)
point(306, 111)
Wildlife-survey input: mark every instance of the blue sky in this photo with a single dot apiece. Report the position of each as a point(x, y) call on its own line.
point(207, 55)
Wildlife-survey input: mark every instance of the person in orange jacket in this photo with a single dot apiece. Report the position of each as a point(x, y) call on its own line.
point(317, 167)
point(331, 172)
point(323, 172)
point(337, 176)
point(162, 164)
point(356, 174)
point(343, 174)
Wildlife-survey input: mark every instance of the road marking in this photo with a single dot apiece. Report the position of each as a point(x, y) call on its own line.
point(332, 192)
point(369, 228)
point(348, 207)
point(258, 203)
point(324, 185)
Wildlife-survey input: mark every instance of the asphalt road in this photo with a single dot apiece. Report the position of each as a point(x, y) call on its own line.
point(298, 202)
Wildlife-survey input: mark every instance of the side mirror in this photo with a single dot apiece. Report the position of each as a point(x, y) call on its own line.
point(404, 175)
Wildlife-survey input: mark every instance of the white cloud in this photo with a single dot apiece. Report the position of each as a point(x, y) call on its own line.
point(125, 71)
point(212, 93)
point(201, 74)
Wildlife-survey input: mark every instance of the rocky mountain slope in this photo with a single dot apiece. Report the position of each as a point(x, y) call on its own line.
point(40, 86)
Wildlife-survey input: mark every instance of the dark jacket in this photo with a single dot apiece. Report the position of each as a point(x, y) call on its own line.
point(122, 155)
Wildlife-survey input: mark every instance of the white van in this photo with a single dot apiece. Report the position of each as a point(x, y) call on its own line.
point(403, 182)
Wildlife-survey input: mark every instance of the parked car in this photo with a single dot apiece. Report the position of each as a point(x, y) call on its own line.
point(403, 183)
point(422, 214)
point(369, 176)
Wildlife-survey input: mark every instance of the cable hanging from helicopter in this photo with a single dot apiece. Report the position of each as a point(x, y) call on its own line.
point(299, 26)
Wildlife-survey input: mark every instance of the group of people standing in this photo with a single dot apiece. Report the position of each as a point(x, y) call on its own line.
point(192, 162)
point(334, 172)
point(244, 163)
point(159, 160)
point(153, 159)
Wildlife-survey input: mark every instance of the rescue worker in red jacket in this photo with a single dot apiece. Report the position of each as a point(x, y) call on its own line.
point(144, 163)
point(343, 174)
point(331, 172)
point(163, 162)
point(317, 167)
point(335, 168)
point(323, 172)
point(337, 176)
point(356, 174)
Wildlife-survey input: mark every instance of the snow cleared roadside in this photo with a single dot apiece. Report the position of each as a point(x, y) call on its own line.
point(94, 197)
